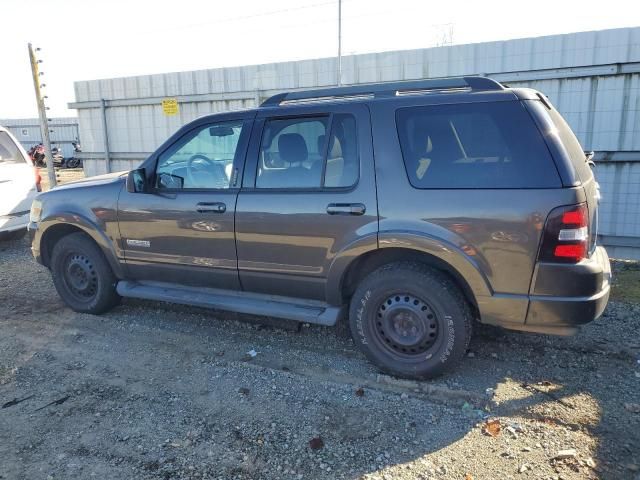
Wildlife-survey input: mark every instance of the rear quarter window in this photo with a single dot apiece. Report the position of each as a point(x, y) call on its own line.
point(475, 145)
point(571, 145)
point(9, 153)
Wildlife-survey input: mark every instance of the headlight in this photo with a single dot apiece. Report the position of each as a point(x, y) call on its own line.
point(36, 211)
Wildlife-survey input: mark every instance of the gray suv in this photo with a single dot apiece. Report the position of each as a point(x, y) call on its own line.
point(409, 210)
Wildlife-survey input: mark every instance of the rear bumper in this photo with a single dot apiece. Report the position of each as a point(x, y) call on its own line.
point(564, 315)
point(562, 298)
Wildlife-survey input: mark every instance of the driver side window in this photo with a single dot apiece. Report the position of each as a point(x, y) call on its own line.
point(203, 159)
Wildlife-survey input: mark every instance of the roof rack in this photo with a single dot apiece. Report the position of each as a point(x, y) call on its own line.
point(378, 90)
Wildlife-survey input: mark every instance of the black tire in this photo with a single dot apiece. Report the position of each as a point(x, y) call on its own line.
point(73, 163)
point(15, 235)
point(410, 320)
point(82, 276)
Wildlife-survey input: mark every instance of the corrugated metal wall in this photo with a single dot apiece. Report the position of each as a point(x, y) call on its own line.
point(64, 130)
point(592, 77)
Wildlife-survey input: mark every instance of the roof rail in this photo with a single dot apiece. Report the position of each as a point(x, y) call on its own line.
point(387, 89)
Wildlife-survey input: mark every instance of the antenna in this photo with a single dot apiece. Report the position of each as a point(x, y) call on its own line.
point(339, 82)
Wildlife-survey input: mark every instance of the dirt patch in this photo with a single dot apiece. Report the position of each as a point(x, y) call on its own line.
point(156, 391)
point(63, 175)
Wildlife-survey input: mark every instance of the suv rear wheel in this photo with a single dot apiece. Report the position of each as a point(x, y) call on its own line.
point(82, 276)
point(410, 320)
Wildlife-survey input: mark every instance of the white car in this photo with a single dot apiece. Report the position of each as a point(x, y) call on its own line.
point(19, 184)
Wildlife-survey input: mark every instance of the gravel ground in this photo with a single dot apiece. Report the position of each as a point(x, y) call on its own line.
point(160, 391)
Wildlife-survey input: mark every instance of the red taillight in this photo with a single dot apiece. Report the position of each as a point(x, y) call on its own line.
point(576, 217)
point(571, 252)
point(36, 172)
point(566, 235)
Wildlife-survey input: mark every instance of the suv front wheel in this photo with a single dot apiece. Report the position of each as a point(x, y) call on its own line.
point(410, 320)
point(82, 276)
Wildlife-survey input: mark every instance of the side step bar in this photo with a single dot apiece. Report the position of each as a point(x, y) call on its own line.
point(309, 311)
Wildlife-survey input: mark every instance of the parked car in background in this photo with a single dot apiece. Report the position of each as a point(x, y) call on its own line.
point(19, 185)
point(408, 209)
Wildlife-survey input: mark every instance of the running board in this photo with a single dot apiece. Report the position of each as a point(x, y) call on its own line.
point(308, 311)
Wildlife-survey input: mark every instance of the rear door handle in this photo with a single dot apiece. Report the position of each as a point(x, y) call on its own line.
point(211, 207)
point(346, 209)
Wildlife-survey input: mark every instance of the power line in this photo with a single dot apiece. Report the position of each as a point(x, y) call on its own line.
point(246, 17)
point(297, 24)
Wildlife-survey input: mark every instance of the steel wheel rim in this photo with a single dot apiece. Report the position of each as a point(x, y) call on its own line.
point(80, 277)
point(406, 326)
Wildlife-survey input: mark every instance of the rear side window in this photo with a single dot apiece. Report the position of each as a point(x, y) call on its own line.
point(9, 152)
point(291, 153)
point(476, 145)
point(308, 152)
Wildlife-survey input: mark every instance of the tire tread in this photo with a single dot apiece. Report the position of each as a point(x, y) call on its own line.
point(423, 274)
point(107, 297)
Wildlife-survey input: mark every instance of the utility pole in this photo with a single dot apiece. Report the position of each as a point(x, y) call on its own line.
point(44, 122)
point(339, 43)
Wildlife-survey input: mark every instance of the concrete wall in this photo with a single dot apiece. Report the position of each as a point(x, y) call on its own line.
point(592, 77)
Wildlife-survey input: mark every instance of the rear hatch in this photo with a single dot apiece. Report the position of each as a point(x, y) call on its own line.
point(583, 169)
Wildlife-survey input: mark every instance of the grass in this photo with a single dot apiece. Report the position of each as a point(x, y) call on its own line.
point(626, 282)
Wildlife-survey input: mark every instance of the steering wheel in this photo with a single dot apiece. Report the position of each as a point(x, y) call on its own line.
point(198, 178)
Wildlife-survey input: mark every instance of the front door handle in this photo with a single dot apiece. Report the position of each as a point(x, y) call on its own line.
point(211, 207)
point(346, 209)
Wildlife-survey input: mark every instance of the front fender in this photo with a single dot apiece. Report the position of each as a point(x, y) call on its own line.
point(46, 229)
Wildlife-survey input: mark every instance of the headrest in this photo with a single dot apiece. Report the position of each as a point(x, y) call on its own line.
point(292, 148)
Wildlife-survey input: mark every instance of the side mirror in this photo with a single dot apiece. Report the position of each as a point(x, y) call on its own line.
point(137, 181)
point(589, 158)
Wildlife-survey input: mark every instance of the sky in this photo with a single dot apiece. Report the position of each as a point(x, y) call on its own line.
point(90, 39)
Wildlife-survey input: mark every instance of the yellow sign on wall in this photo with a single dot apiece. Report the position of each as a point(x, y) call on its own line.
point(170, 106)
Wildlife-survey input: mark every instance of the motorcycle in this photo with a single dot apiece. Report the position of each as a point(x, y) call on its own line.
point(58, 157)
point(75, 162)
point(36, 153)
